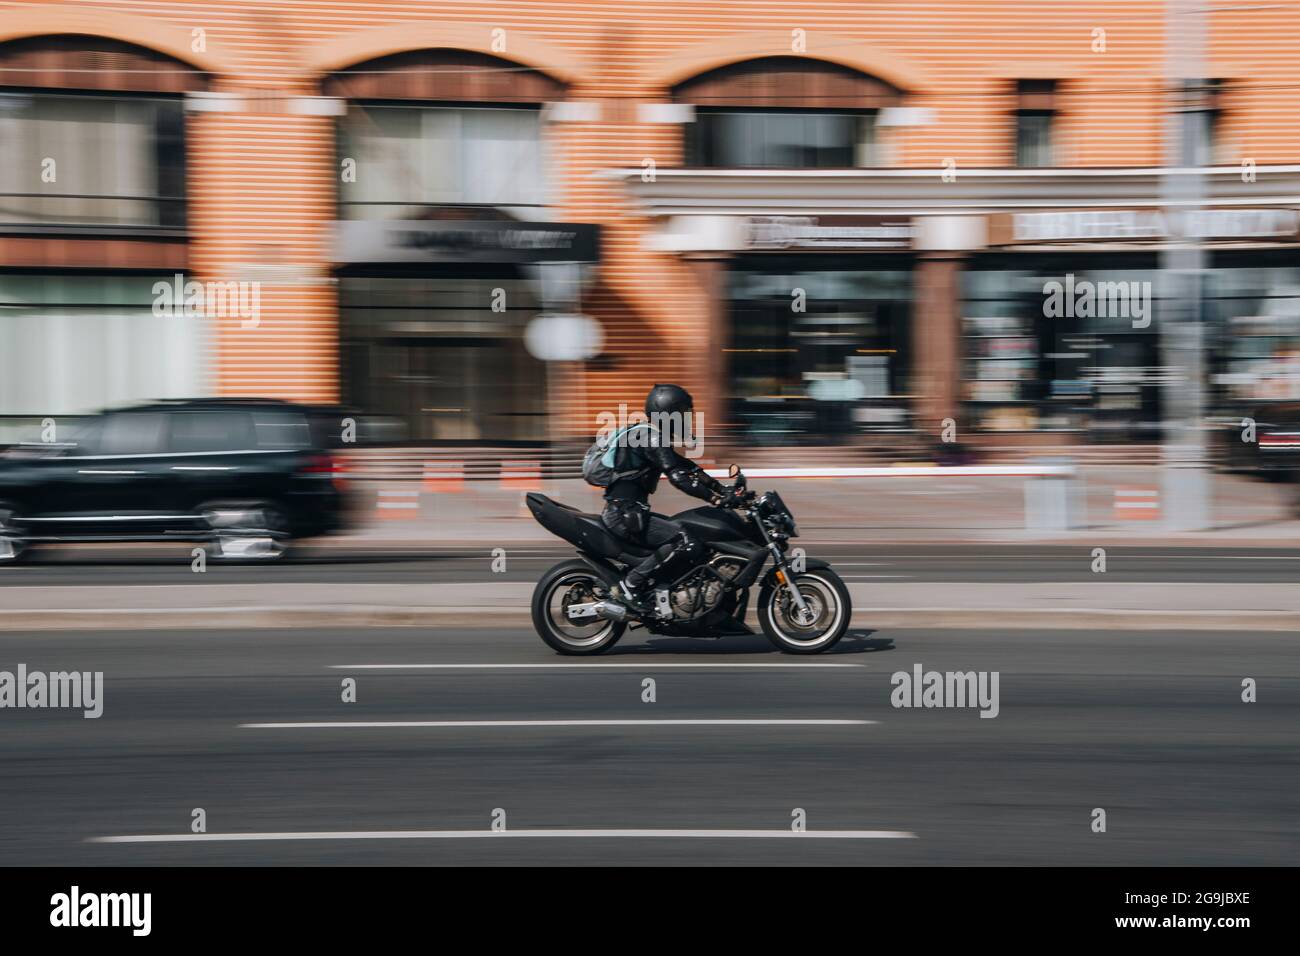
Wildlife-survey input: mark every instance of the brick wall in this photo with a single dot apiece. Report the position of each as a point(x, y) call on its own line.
point(262, 183)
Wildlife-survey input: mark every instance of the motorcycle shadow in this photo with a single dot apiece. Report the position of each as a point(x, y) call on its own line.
point(857, 641)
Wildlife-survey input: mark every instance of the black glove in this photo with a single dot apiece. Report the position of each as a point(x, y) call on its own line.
point(731, 498)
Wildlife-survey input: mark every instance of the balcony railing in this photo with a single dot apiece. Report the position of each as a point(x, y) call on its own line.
point(37, 213)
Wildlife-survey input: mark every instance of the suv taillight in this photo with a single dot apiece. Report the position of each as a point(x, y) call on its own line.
point(325, 465)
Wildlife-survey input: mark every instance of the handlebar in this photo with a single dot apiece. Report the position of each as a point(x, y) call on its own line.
point(738, 496)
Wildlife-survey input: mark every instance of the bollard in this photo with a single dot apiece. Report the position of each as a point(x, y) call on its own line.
point(1053, 502)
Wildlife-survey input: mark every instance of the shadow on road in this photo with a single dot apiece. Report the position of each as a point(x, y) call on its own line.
point(854, 642)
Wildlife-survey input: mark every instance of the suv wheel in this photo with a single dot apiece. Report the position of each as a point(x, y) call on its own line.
point(247, 532)
point(12, 544)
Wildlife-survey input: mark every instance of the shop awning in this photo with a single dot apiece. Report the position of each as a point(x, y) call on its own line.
point(919, 192)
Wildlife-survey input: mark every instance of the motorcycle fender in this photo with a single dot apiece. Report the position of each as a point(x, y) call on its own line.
point(810, 564)
point(608, 573)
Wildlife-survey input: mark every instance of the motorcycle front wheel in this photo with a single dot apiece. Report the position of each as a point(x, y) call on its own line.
point(827, 619)
point(572, 582)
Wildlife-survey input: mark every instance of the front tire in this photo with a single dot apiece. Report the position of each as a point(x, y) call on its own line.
point(256, 532)
point(572, 582)
point(828, 601)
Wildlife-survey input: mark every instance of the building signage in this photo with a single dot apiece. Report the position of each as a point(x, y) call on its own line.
point(1151, 225)
point(829, 232)
point(418, 240)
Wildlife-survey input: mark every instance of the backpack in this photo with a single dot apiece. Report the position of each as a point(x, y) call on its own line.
point(599, 466)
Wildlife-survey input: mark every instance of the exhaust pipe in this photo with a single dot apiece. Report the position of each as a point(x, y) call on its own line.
point(610, 611)
point(604, 610)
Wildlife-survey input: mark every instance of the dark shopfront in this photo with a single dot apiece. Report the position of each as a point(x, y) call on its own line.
point(1099, 376)
point(1025, 370)
point(433, 314)
point(819, 345)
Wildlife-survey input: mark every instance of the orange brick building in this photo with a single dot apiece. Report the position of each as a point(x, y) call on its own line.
point(394, 178)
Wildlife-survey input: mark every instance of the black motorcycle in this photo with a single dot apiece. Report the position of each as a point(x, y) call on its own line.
point(572, 611)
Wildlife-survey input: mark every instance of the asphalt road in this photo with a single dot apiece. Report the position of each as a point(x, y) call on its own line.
point(336, 562)
point(1149, 726)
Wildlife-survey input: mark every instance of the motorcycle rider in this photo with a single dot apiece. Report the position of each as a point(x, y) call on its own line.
point(627, 512)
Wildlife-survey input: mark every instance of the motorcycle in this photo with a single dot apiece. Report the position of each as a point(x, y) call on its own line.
point(803, 606)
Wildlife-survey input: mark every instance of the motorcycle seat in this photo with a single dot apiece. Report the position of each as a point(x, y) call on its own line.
point(583, 530)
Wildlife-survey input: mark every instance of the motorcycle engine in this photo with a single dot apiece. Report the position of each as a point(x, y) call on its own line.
point(702, 591)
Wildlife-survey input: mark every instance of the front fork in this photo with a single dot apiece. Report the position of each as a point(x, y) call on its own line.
point(783, 575)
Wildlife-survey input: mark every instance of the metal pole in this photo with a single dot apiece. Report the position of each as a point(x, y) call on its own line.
point(1185, 481)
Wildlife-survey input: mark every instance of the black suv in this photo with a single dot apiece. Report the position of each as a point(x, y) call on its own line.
point(245, 475)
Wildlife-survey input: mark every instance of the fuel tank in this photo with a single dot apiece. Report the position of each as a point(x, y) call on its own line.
point(716, 524)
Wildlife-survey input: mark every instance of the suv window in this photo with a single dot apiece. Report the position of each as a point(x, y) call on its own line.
point(211, 430)
point(132, 433)
point(277, 429)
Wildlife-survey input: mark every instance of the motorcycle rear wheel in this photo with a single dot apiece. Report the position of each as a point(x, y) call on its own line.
point(572, 582)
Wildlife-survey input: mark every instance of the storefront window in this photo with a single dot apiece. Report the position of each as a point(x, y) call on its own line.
point(409, 157)
point(71, 344)
point(1255, 315)
point(95, 161)
point(770, 138)
point(1081, 364)
point(819, 347)
point(1025, 370)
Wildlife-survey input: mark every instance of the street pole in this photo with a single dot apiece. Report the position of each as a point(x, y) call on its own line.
point(1184, 478)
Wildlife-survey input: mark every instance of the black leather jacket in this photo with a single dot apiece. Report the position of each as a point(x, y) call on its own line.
point(653, 462)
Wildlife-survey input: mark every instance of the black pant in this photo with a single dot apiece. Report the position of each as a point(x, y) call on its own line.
point(673, 547)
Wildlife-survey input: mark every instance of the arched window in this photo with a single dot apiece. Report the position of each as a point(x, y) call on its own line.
point(92, 135)
point(441, 127)
point(784, 112)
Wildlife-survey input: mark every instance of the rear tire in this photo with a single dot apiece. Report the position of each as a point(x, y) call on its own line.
point(572, 582)
point(828, 600)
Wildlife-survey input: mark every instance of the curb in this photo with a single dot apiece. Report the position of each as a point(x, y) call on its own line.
point(471, 617)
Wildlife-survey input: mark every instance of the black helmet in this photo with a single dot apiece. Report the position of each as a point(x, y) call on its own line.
point(666, 399)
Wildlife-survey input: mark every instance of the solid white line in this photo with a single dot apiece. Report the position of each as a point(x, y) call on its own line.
point(355, 724)
point(644, 665)
point(598, 834)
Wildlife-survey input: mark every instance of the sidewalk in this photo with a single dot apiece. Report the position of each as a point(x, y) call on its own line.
point(1246, 513)
point(1047, 606)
